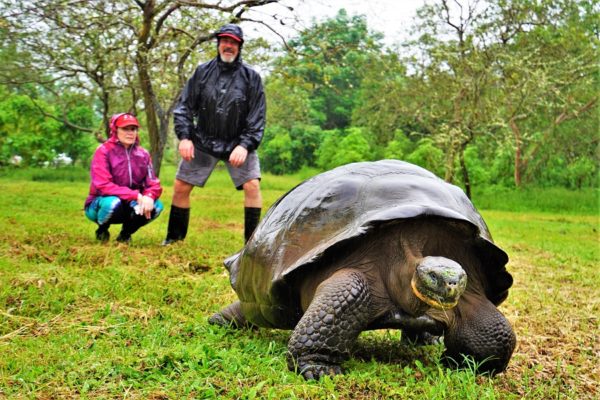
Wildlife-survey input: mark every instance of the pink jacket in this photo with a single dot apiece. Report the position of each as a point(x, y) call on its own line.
point(121, 172)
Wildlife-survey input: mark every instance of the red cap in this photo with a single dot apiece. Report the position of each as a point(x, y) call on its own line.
point(126, 120)
point(230, 35)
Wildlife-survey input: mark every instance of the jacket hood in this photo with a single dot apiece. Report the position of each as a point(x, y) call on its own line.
point(235, 32)
point(231, 30)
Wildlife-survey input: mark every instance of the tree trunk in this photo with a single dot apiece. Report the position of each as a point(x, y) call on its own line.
point(163, 132)
point(465, 171)
point(449, 174)
point(518, 151)
point(105, 116)
point(152, 120)
point(151, 105)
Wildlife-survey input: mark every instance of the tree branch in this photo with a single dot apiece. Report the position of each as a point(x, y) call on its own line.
point(97, 133)
point(565, 115)
point(271, 29)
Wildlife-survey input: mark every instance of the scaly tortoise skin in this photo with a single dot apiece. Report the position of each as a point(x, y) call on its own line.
point(373, 245)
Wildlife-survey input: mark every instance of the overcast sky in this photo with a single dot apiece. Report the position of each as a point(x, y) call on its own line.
point(393, 18)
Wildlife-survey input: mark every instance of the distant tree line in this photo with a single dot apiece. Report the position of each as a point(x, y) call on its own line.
point(503, 92)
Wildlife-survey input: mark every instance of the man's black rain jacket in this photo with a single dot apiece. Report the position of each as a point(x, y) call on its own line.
point(222, 105)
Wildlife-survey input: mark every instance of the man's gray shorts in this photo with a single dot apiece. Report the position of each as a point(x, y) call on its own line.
point(197, 171)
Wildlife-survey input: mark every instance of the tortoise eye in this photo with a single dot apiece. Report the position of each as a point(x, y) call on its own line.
point(433, 277)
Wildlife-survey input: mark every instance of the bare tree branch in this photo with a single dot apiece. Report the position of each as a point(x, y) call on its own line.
point(269, 27)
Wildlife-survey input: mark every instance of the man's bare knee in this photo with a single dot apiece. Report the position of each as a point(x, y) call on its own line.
point(181, 193)
point(252, 195)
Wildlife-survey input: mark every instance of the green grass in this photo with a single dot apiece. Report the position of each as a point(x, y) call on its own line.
point(553, 200)
point(79, 319)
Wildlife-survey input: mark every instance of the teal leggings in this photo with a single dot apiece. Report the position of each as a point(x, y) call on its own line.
point(112, 210)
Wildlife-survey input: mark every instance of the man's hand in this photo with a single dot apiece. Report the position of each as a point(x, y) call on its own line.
point(186, 149)
point(238, 156)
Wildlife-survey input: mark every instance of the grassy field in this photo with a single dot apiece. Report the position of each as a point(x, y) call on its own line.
point(80, 319)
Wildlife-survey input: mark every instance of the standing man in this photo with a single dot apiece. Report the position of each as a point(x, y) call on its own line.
point(219, 116)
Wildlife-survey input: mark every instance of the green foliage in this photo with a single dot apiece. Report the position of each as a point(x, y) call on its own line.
point(288, 101)
point(400, 147)
point(380, 98)
point(502, 167)
point(78, 145)
point(343, 147)
point(285, 152)
point(307, 139)
point(354, 147)
point(513, 76)
point(329, 146)
point(276, 154)
point(328, 61)
point(582, 173)
point(27, 133)
point(485, 85)
point(508, 92)
point(428, 156)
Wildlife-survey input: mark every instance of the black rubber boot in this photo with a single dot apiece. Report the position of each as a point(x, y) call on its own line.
point(124, 237)
point(251, 220)
point(102, 233)
point(179, 219)
point(131, 226)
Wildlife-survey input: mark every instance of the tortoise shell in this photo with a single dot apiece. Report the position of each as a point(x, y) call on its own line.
point(335, 207)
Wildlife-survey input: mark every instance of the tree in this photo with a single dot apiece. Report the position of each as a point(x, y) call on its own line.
point(59, 45)
point(399, 147)
point(339, 148)
point(499, 75)
point(276, 154)
point(449, 93)
point(379, 99)
point(327, 61)
point(548, 67)
point(307, 140)
point(288, 101)
point(428, 156)
point(287, 151)
point(36, 140)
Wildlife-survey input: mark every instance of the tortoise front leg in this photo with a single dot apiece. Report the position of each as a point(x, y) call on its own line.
point(481, 332)
point(337, 314)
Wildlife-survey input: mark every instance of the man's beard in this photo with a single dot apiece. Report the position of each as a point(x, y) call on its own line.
point(228, 58)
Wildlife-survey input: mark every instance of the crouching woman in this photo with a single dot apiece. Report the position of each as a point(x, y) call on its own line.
point(123, 188)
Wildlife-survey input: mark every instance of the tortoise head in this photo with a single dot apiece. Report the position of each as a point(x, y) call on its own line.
point(439, 282)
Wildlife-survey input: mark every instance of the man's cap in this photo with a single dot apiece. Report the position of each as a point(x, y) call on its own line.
point(232, 31)
point(126, 120)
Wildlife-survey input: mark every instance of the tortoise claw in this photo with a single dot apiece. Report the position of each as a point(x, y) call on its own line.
point(316, 371)
point(421, 338)
point(218, 319)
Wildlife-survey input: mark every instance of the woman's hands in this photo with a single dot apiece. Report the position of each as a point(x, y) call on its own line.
point(146, 205)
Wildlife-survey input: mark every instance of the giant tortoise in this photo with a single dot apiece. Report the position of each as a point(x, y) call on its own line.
point(372, 245)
